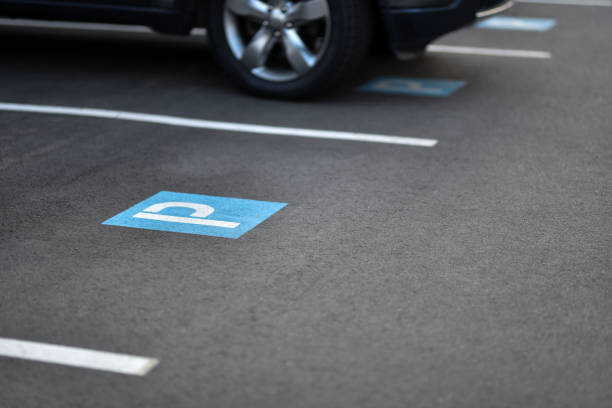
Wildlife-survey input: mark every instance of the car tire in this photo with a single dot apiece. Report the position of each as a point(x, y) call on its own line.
point(335, 37)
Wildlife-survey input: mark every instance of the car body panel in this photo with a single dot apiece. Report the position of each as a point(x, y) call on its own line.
point(168, 16)
point(408, 24)
point(410, 29)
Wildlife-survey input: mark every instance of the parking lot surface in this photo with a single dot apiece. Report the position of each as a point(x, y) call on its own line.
point(472, 273)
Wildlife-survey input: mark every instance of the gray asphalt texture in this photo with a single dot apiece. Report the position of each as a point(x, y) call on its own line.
point(474, 274)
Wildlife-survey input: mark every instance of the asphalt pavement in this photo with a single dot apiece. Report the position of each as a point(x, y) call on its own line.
point(474, 273)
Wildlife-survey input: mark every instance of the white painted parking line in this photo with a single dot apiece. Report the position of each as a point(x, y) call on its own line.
point(214, 125)
point(494, 52)
point(599, 3)
point(76, 357)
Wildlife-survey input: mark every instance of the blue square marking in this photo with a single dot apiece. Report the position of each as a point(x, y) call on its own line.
point(517, 23)
point(196, 214)
point(412, 86)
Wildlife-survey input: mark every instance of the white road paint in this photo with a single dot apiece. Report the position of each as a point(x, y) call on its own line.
point(215, 125)
point(600, 3)
point(76, 357)
point(187, 220)
point(494, 52)
point(201, 211)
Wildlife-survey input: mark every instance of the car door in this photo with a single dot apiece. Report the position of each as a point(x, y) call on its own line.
point(165, 4)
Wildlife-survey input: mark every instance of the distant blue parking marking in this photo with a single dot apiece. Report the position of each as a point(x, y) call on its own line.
point(517, 23)
point(412, 86)
point(196, 214)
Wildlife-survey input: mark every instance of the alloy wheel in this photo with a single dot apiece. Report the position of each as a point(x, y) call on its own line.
point(277, 40)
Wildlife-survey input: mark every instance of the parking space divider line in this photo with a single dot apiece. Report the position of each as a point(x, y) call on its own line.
point(494, 52)
point(216, 125)
point(76, 357)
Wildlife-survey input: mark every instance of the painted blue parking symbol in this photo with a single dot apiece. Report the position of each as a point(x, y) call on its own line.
point(196, 214)
point(517, 23)
point(412, 86)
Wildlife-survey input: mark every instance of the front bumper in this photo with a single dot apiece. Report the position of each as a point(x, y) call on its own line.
point(411, 28)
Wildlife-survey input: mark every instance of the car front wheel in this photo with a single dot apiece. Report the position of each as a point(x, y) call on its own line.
point(289, 49)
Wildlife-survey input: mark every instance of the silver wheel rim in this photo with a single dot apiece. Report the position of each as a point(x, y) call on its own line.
point(277, 40)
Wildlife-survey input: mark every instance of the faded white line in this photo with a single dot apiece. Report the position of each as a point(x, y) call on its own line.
point(76, 357)
point(494, 52)
point(215, 125)
point(600, 3)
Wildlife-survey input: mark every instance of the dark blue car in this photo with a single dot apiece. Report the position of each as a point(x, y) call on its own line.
point(279, 48)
